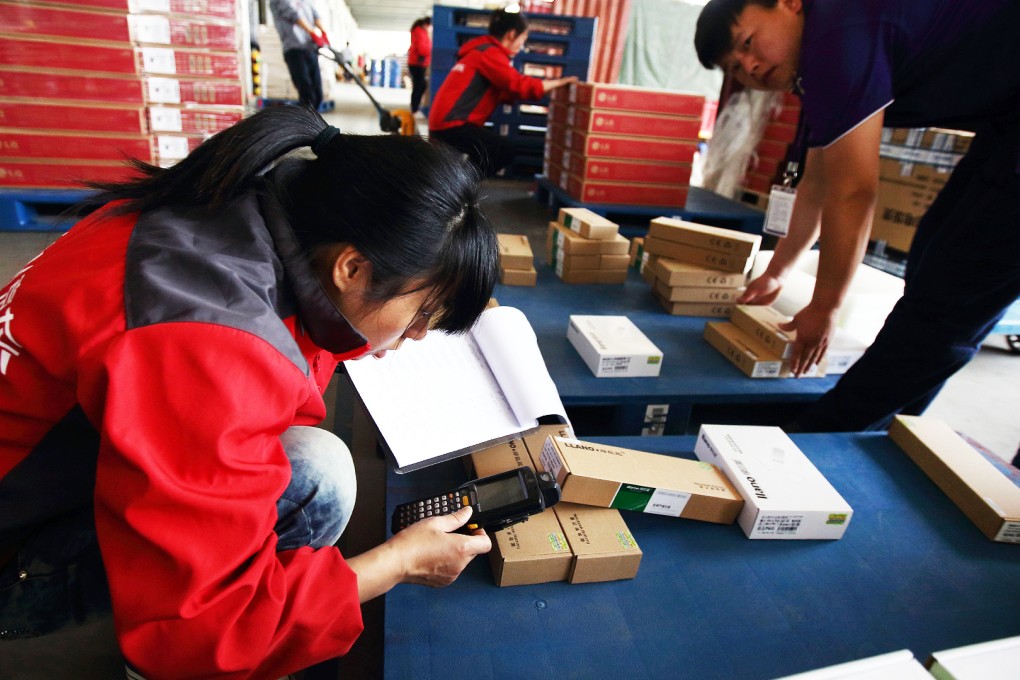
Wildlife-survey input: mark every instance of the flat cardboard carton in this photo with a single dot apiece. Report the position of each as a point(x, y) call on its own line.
point(518, 277)
point(603, 547)
point(633, 123)
point(632, 98)
point(707, 309)
point(515, 252)
point(618, 170)
point(986, 495)
point(625, 193)
point(587, 223)
point(560, 238)
point(612, 346)
point(736, 243)
point(535, 551)
point(637, 252)
point(762, 322)
point(599, 145)
point(612, 477)
point(674, 273)
point(697, 294)
point(500, 458)
point(611, 276)
point(704, 257)
point(785, 495)
point(564, 264)
point(750, 356)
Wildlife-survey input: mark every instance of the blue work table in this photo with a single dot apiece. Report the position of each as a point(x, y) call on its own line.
point(697, 382)
point(911, 572)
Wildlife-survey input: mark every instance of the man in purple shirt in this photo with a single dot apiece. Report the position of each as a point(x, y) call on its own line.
point(859, 66)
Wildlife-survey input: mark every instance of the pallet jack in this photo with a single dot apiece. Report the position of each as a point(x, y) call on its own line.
point(400, 121)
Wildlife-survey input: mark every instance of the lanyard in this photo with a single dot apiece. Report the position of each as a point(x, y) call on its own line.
point(796, 154)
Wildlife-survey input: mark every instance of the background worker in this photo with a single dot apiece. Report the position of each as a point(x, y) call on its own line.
point(859, 66)
point(163, 372)
point(301, 35)
point(483, 78)
point(419, 56)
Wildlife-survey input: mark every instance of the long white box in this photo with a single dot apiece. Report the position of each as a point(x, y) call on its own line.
point(785, 496)
point(995, 660)
point(613, 347)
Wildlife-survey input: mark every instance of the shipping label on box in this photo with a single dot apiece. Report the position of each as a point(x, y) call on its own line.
point(534, 551)
point(983, 492)
point(762, 323)
point(697, 294)
point(613, 477)
point(515, 251)
point(704, 257)
point(736, 243)
point(612, 346)
point(535, 441)
point(588, 224)
point(673, 273)
point(785, 495)
point(603, 547)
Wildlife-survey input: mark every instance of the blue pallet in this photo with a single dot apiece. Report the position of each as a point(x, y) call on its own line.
point(38, 209)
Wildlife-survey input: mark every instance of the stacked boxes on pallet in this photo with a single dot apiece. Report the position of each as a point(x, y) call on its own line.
point(768, 162)
point(83, 87)
point(585, 247)
point(697, 270)
point(622, 145)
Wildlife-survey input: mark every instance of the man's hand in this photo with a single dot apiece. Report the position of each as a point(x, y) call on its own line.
point(762, 291)
point(433, 554)
point(814, 327)
point(319, 38)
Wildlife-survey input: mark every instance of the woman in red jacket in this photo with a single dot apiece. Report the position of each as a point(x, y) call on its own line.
point(162, 367)
point(482, 78)
point(419, 56)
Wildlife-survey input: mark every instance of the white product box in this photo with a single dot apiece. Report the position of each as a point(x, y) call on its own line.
point(995, 660)
point(899, 665)
point(785, 495)
point(613, 347)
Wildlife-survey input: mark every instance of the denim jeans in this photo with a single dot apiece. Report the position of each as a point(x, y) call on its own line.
point(56, 577)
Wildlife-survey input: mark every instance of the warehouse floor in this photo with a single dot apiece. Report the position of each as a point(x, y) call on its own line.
point(980, 402)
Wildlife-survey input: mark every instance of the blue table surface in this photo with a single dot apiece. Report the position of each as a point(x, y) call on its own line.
point(911, 572)
point(691, 368)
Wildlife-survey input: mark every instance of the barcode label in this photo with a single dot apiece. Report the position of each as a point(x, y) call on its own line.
point(1009, 533)
point(779, 525)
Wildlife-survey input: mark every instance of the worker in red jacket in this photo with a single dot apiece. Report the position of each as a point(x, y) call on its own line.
point(419, 56)
point(483, 78)
point(162, 368)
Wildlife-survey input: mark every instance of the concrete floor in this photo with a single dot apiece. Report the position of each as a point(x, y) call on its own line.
point(980, 402)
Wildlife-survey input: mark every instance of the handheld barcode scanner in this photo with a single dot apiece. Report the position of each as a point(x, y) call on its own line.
point(497, 501)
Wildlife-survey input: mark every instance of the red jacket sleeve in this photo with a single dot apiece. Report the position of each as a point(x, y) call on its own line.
point(190, 468)
point(421, 47)
point(511, 83)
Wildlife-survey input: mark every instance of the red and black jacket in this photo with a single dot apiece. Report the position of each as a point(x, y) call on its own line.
point(149, 364)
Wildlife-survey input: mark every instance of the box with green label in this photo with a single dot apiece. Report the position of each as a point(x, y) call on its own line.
point(535, 551)
point(613, 477)
point(603, 547)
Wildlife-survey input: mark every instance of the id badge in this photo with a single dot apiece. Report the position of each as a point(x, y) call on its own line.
point(780, 210)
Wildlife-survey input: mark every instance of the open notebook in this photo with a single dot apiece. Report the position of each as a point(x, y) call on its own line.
point(448, 395)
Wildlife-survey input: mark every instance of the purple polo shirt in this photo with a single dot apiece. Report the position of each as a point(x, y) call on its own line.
point(928, 63)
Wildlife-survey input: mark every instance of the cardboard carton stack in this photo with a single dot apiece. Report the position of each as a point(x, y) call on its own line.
point(754, 342)
point(584, 247)
point(768, 161)
point(83, 86)
point(697, 270)
point(516, 261)
point(622, 145)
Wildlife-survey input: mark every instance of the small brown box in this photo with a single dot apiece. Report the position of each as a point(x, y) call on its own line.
point(603, 547)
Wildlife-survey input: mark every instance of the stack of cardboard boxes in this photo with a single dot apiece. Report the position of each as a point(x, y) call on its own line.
point(754, 342)
point(83, 87)
point(695, 269)
point(622, 145)
point(516, 261)
point(584, 247)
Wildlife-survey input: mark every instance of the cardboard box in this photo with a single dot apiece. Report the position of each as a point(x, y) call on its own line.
point(703, 257)
point(588, 224)
point(92, 117)
point(500, 458)
point(736, 243)
point(632, 98)
point(518, 277)
point(599, 145)
point(63, 174)
point(762, 323)
point(535, 551)
point(785, 495)
point(749, 355)
point(561, 238)
point(617, 170)
point(613, 477)
point(697, 294)
point(625, 193)
point(673, 273)
point(982, 661)
point(192, 120)
point(565, 264)
point(630, 123)
point(989, 498)
point(613, 347)
point(706, 309)
point(603, 276)
point(96, 146)
point(614, 262)
point(603, 547)
point(515, 252)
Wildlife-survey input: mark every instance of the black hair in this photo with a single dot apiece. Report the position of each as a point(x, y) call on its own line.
point(713, 35)
point(424, 21)
point(410, 207)
point(502, 22)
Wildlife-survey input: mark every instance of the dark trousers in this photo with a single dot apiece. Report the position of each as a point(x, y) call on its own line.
point(304, 73)
point(963, 271)
point(419, 83)
point(489, 152)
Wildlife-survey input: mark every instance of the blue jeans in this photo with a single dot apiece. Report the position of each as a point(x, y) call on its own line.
point(56, 578)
